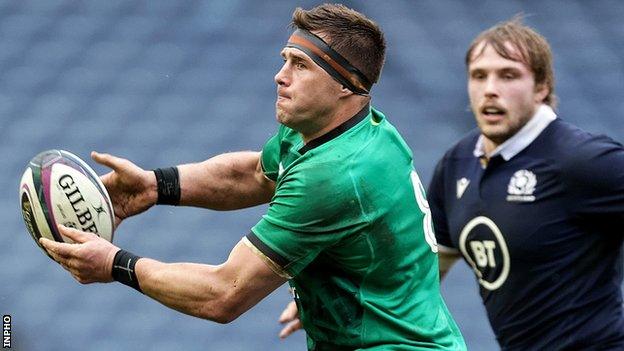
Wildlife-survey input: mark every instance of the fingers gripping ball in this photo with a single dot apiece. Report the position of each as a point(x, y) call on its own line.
point(60, 188)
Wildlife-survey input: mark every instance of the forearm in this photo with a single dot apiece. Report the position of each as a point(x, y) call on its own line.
point(193, 289)
point(225, 182)
point(218, 293)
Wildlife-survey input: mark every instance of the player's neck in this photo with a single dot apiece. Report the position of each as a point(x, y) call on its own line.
point(339, 116)
point(489, 146)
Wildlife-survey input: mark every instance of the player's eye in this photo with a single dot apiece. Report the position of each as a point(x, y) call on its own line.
point(477, 75)
point(509, 75)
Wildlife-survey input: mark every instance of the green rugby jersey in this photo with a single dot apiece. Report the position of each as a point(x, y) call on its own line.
point(350, 227)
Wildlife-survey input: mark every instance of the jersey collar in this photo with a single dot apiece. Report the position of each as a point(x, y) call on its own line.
point(523, 138)
point(332, 134)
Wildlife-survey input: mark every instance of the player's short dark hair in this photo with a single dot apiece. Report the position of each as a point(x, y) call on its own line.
point(532, 47)
point(350, 33)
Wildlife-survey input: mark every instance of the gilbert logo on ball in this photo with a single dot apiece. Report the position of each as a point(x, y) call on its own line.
point(60, 188)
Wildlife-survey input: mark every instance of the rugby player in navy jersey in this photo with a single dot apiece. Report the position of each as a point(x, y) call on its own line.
point(533, 204)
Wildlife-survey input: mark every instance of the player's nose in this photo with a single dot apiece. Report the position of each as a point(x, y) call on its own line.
point(491, 87)
point(281, 78)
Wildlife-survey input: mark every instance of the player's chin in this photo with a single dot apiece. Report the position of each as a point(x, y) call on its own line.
point(496, 133)
point(282, 116)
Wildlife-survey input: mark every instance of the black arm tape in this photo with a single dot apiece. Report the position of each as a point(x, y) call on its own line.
point(168, 181)
point(123, 269)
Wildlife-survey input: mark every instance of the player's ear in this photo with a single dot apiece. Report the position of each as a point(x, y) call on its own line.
point(541, 92)
point(344, 92)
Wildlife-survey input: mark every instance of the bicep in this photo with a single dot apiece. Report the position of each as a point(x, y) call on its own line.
point(225, 182)
point(264, 182)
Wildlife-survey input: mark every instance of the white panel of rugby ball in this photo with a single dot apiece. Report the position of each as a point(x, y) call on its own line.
point(60, 188)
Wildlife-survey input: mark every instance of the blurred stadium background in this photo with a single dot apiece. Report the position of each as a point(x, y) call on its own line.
point(164, 82)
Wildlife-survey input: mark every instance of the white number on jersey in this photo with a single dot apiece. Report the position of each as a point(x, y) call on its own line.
point(421, 200)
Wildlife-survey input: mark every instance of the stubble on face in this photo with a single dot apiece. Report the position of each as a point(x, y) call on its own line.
point(503, 95)
point(306, 94)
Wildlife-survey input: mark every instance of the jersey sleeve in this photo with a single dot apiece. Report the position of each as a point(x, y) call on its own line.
point(596, 173)
point(307, 215)
point(271, 157)
point(435, 197)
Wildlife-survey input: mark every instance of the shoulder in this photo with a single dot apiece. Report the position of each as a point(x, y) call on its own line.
point(583, 157)
point(461, 150)
point(574, 147)
point(316, 178)
point(464, 147)
point(314, 196)
point(568, 137)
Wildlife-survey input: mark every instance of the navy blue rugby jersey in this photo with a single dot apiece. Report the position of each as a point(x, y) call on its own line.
point(542, 228)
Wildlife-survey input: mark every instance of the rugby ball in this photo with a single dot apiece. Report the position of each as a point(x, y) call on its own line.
point(60, 188)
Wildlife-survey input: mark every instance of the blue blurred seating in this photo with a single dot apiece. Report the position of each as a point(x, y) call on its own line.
point(166, 82)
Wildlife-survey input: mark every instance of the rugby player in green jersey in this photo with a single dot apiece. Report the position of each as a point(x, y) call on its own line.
point(348, 225)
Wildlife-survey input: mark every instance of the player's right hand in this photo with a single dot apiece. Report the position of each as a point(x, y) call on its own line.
point(89, 259)
point(132, 189)
point(290, 317)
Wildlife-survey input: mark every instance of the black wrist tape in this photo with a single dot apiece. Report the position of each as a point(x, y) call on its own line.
point(123, 269)
point(168, 182)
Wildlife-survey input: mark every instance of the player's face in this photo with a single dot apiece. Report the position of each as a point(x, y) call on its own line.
point(306, 94)
point(503, 94)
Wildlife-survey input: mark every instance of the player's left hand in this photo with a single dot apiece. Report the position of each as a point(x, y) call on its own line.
point(290, 317)
point(89, 259)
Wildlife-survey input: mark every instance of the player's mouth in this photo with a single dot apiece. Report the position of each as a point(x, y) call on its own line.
point(493, 113)
point(281, 95)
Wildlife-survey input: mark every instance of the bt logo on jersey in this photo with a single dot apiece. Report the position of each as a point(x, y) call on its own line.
point(484, 252)
point(483, 246)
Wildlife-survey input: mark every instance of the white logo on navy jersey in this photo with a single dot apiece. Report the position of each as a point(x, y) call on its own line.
point(462, 184)
point(521, 186)
point(481, 247)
